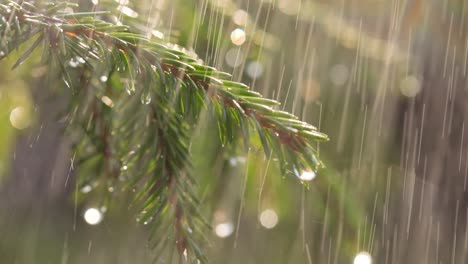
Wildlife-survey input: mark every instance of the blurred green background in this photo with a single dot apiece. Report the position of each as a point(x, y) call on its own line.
point(385, 79)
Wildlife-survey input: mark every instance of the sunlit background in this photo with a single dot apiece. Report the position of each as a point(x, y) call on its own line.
point(385, 79)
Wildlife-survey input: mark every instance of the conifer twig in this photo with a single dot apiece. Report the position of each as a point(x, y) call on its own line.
point(146, 132)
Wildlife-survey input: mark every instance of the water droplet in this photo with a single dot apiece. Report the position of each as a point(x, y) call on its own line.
point(93, 216)
point(145, 98)
point(234, 57)
point(254, 69)
point(269, 218)
point(363, 258)
point(20, 118)
point(238, 36)
point(148, 221)
point(129, 86)
point(103, 78)
point(410, 86)
point(240, 17)
point(339, 74)
point(158, 34)
point(305, 175)
point(107, 101)
point(124, 168)
point(73, 63)
point(80, 60)
point(232, 162)
point(224, 229)
point(127, 11)
point(86, 189)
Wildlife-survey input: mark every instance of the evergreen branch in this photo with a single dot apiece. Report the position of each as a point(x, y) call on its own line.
point(172, 87)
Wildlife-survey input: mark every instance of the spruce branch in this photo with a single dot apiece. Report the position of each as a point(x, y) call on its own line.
point(133, 104)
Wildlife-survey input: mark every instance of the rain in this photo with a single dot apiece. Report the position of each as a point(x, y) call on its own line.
point(386, 80)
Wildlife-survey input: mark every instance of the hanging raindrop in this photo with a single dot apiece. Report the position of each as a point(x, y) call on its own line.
point(363, 258)
point(80, 60)
point(224, 229)
point(148, 221)
point(93, 216)
point(268, 218)
point(305, 175)
point(73, 63)
point(238, 36)
point(145, 98)
point(129, 86)
point(86, 189)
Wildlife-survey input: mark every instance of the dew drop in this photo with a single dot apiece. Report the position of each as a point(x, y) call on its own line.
point(129, 86)
point(93, 216)
point(20, 118)
point(127, 11)
point(107, 101)
point(73, 63)
point(254, 69)
point(410, 86)
point(305, 175)
point(145, 98)
point(80, 60)
point(148, 221)
point(268, 218)
point(224, 230)
point(86, 189)
point(240, 17)
point(363, 258)
point(234, 57)
point(158, 34)
point(238, 36)
point(233, 162)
